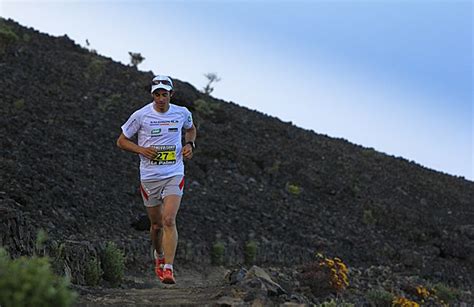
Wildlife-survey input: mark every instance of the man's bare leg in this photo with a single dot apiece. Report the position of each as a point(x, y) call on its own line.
point(156, 227)
point(170, 233)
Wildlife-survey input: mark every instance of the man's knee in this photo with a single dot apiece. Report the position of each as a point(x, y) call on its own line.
point(155, 227)
point(169, 221)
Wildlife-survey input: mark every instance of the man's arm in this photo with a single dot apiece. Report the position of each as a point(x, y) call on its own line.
point(189, 136)
point(126, 144)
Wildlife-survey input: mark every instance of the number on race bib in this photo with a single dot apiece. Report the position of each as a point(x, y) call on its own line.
point(166, 154)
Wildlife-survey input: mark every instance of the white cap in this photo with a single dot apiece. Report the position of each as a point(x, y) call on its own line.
point(166, 85)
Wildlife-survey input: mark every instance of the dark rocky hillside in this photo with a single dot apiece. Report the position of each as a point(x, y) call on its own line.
point(295, 192)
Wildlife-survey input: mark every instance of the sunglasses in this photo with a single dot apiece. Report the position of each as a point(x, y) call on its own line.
point(165, 82)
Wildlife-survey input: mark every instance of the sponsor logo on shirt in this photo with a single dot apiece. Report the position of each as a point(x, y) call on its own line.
point(164, 122)
point(155, 132)
point(172, 129)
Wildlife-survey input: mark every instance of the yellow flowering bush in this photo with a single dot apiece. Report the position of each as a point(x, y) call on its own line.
point(404, 302)
point(325, 275)
point(436, 294)
point(338, 272)
point(422, 292)
point(424, 296)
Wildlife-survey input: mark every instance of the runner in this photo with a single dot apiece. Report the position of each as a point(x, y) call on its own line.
point(159, 126)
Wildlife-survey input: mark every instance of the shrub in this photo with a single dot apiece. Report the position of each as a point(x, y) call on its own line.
point(338, 273)
point(445, 293)
point(380, 297)
point(7, 37)
point(217, 253)
point(135, 58)
point(58, 256)
point(250, 252)
point(293, 189)
point(334, 303)
point(368, 217)
point(204, 107)
point(211, 78)
point(93, 272)
point(355, 189)
point(113, 264)
point(41, 238)
point(404, 302)
point(325, 276)
point(109, 103)
point(58, 250)
point(316, 278)
point(19, 104)
point(30, 282)
point(95, 69)
point(422, 292)
point(275, 168)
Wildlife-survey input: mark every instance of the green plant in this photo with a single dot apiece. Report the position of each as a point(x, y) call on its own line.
point(338, 272)
point(95, 69)
point(368, 217)
point(135, 58)
point(19, 104)
point(445, 293)
point(275, 168)
point(113, 264)
point(423, 292)
point(204, 107)
point(217, 253)
point(211, 78)
point(3, 252)
point(7, 37)
point(355, 189)
point(58, 250)
point(293, 189)
point(30, 282)
point(331, 303)
point(400, 301)
point(316, 278)
point(58, 255)
point(93, 272)
point(325, 275)
point(109, 102)
point(250, 252)
point(335, 303)
point(41, 238)
point(380, 297)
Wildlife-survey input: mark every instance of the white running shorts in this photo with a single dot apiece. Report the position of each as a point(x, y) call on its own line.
point(153, 192)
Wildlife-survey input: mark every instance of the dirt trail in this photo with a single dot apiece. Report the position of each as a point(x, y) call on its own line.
point(192, 288)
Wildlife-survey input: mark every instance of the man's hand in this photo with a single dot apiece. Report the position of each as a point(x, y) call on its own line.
point(148, 152)
point(187, 151)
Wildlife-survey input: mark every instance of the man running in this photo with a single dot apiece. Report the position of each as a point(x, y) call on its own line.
point(159, 126)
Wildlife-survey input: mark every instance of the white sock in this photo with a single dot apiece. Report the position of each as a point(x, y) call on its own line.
point(168, 266)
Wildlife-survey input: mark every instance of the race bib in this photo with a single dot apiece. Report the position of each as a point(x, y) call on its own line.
point(166, 155)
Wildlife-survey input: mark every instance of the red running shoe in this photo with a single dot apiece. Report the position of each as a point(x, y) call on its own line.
point(159, 264)
point(168, 277)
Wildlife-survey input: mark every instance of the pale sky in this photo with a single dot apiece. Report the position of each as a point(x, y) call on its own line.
point(392, 75)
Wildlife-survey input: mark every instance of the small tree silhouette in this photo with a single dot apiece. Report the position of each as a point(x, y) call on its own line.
point(211, 77)
point(135, 58)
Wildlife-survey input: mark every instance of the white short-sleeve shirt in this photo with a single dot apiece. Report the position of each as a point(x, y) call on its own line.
point(162, 131)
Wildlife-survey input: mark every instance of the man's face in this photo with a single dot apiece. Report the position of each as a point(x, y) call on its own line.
point(162, 98)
